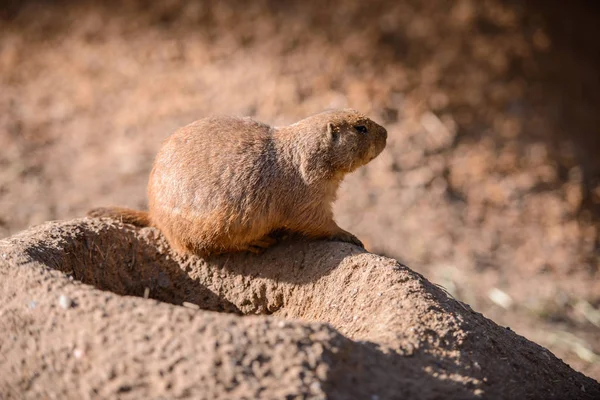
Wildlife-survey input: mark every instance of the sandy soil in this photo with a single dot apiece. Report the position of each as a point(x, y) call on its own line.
point(321, 334)
point(490, 182)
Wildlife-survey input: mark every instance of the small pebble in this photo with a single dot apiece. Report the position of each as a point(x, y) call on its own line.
point(32, 304)
point(78, 353)
point(65, 301)
point(500, 298)
point(315, 387)
point(146, 292)
point(191, 305)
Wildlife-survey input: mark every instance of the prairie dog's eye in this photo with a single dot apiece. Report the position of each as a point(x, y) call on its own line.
point(360, 128)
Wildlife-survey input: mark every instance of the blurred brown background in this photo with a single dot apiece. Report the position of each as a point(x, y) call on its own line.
point(490, 185)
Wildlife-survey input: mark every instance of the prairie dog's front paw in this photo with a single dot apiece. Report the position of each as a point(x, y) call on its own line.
point(347, 237)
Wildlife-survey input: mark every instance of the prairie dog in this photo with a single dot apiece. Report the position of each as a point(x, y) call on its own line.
point(224, 184)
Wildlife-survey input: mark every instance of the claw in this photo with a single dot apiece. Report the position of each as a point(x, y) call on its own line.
point(260, 245)
point(348, 238)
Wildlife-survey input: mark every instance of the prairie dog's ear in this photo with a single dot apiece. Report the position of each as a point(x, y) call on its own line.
point(332, 132)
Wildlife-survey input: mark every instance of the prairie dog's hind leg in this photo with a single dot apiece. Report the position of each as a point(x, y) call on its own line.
point(260, 245)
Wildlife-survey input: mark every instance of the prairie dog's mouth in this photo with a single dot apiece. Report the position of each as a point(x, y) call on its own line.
point(375, 150)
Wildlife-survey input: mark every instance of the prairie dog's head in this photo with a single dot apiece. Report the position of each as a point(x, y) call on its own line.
point(336, 142)
point(353, 139)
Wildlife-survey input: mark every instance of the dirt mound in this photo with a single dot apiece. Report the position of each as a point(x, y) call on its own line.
point(316, 319)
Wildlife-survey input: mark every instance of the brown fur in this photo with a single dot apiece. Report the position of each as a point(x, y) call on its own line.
point(225, 184)
point(126, 215)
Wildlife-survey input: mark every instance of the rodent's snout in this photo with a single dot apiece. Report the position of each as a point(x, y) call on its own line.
point(382, 134)
point(383, 139)
point(379, 141)
point(380, 131)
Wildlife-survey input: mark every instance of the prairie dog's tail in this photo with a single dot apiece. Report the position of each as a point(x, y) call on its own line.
point(126, 215)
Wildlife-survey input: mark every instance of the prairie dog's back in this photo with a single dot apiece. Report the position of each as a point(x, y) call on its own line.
point(201, 160)
point(214, 176)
